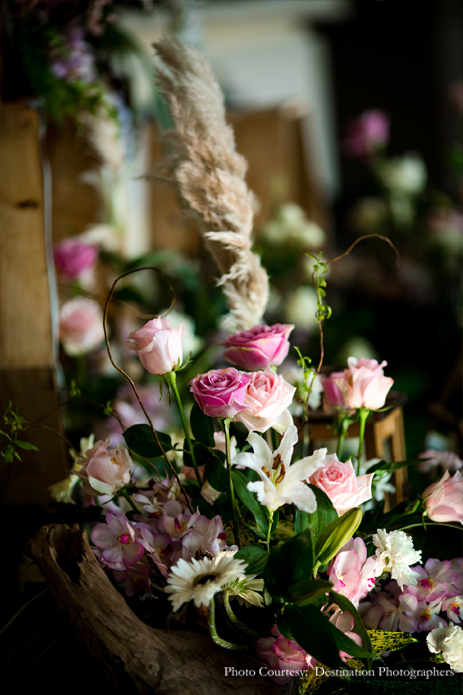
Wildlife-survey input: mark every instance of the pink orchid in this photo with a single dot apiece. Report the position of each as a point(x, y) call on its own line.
point(453, 606)
point(176, 521)
point(352, 574)
point(134, 579)
point(433, 580)
point(117, 539)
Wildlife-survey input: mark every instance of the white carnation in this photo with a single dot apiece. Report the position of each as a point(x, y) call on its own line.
point(448, 641)
point(395, 553)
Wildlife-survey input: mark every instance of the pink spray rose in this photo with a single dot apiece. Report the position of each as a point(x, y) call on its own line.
point(364, 385)
point(159, 346)
point(444, 500)
point(80, 326)
point(367, 133)
point(284, 656)
point(343, 487)
point(220, 392)
point(104, 471)
point(259, 347)
point(267, 399)
point(73, 257)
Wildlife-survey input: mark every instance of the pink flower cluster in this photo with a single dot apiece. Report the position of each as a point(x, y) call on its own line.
point(166, 532)
point(259, 400)
point(419, 608)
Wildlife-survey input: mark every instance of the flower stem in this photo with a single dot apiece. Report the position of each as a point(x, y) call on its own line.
point(226, 426)
point(343, 427)
point(129, 500)
point(213, 632)
point(171, 379)
point(363, 415)
point(234, 619)
point(269, 529)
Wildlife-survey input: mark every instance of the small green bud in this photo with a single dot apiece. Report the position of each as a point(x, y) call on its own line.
point(336, 534)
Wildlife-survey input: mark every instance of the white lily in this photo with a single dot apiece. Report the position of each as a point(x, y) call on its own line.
point(281, 483)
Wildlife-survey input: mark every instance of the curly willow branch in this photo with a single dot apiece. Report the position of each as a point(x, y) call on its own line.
point(105, 313)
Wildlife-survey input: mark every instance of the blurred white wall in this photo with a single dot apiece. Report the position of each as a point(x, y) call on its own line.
point(264, 53)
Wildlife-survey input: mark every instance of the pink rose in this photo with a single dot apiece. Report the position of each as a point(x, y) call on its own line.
point(220, 392)
point(259, 347)
point(267, 399)
point(343, 487)
point(104, 471)
point(159, 346)
point(364, 385)
point(73, 257)
point(444, 500)
point(367, 133)
point(332, 394)
point(80, 325)
point(284, 656)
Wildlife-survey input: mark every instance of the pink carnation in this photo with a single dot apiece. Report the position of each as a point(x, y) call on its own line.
point(258, 347)
point(343, 487)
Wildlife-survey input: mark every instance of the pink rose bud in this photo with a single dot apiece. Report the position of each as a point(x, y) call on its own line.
point(259, 347)
point(267, 399)
point(220, 392)
point(343, 487)
point(364, 385)
point(159, 346)
point(80, 325)
point(444, 500)
point(73, 257)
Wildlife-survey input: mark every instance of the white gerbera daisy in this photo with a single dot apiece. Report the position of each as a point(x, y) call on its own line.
point(395, 553)
point(200, 580)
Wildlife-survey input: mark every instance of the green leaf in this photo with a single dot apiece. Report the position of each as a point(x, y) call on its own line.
point(201, 426)
point(385, 641)
point(336, 534)
point(256, 557)
point(292, 562)
point(392, 466)
point(308, 591)
point(217, 476)
point(314, 633)
point(25, 445)
point(346, 644)
point(250, 502)
point(359, 627)
point(300, 522)
point(322, 516)
point(142, 441)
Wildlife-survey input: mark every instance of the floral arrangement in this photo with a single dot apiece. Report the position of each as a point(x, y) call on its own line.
point(269, 535)
point(239, 527)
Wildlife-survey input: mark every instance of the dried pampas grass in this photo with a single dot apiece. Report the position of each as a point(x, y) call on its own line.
point(203, 167)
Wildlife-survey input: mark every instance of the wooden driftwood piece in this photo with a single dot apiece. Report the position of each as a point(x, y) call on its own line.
point(134, 657)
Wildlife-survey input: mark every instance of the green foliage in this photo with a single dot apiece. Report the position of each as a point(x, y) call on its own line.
point(141, 440)
point(323, 311)
point(249, 500)
point(313, 632)
point(324, 514)
point(292, 562)
point(308, 591)
point(336, 534)
point(201, 426)
point(359, 627)
point(216, 475)
point(15, 423)
point(255, 556)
